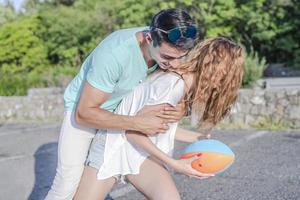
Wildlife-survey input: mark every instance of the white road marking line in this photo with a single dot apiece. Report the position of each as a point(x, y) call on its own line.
point(16, 157)
point(123, 191)
point(248, 138)
point(32, 129)
point(126, 189)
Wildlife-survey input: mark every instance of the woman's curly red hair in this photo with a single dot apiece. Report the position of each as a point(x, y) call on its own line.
point(217, 67)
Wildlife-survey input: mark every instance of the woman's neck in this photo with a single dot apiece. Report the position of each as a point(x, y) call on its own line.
point(188, 79)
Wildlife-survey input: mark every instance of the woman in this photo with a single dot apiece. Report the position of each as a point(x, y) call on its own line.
point(208, 82)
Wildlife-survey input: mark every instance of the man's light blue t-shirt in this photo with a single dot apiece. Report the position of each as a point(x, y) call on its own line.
point(115, 66)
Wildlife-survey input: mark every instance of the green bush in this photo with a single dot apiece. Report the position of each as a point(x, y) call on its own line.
point(12, 85)
point(6, 13)
point(18, 83)
point(21, 49)
point(67, 32)
point(23, 54)
point(253, 68)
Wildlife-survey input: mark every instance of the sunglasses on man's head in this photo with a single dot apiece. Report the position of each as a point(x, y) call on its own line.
point(176, 33)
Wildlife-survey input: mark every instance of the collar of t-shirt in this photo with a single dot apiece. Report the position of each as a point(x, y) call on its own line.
point(152, 69)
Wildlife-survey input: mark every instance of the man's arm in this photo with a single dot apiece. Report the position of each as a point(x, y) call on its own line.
point(89, 113)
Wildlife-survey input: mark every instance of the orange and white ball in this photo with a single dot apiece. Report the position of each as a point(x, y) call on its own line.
point(215, 156)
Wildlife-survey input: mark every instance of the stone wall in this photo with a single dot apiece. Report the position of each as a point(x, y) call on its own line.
point(279, 106)
point(254, 106)
point(43, 104)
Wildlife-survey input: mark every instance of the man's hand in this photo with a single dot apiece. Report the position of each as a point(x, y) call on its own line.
point(149, 122)
point(154, 119)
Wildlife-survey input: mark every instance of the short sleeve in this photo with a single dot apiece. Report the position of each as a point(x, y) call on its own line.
point(166, 90)
point(104, 71)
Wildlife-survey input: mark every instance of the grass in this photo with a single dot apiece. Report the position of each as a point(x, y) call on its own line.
point(265, 124)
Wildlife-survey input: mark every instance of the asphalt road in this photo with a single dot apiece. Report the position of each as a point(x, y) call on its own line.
point(267, 166)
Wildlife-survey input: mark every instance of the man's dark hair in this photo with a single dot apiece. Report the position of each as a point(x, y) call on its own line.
point(167, 20)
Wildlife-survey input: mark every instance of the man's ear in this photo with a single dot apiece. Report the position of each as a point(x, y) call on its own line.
point(148, 38)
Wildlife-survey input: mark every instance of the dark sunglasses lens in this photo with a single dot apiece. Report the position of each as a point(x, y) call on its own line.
point(174, 35)
point(191, 32)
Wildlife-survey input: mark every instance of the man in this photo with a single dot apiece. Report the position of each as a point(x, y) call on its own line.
point(111, 71)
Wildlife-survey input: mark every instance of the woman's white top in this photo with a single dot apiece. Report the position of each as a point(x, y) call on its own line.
point(120, 156)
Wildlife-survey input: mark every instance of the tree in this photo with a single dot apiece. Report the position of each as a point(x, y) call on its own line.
point(21, 48)
point(7, 12)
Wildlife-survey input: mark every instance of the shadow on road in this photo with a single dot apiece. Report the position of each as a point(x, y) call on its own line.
point(44, 168)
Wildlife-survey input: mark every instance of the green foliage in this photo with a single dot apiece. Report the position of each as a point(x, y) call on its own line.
point(22, 55)
point(266, 26)
point(214, 17)
point(6, 13)
point(45, 44)
point(286, 43)
point(268, 123)
point(253, 68)
point(19, 83)
point(24, 58)
point(139, 12)
point(65, 32)
point(12, 84)
point(271, 27)
point(21, 49)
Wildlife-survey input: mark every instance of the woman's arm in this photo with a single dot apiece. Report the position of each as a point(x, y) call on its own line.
point(182, 166)
point(147, 145)
point(189, 136)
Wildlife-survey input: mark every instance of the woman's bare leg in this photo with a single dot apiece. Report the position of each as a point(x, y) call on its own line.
point(90, 188)
point(154, 182)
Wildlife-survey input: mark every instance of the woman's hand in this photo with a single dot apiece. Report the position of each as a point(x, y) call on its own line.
point(184, 166)
point(204, 136)
point(174, 114)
